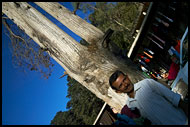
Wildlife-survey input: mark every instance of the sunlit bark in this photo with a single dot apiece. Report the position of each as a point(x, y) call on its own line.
point(76, 24)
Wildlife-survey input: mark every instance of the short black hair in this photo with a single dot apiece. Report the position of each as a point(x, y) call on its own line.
point(114, 76)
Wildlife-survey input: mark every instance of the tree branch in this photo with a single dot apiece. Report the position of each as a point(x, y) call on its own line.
point(121, 24)
point(77, 7)
point(11, 32)
point(19, 55)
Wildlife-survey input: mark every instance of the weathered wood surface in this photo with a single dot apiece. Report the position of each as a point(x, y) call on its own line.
point(91, 66)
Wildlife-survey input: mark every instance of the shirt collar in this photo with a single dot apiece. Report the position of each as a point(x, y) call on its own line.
point(136, 88)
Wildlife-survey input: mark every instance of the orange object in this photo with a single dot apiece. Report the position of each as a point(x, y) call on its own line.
point(148, 55)
point(153, 75)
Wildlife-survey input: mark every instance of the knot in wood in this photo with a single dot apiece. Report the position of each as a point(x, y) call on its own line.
point(17, 4)
point(28, 7)
point(82, 67)
point(103, 90)
point(92, 48)
point(103, 61)
point(100, 82)
point(89, 78)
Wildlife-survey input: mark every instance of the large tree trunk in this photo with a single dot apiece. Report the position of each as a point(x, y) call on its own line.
point(91, 66)
point(79, 26)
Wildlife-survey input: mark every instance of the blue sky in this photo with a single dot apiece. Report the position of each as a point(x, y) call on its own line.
point(28, 99)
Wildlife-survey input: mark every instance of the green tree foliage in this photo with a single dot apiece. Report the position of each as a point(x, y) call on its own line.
point(83, 106)
point(84, 6)
point(66, 118)
point(119, 17)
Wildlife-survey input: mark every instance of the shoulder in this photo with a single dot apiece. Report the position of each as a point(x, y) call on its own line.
point(144, 83)
point(150, 84)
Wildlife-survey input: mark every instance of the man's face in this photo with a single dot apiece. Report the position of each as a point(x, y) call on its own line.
point(123, 84)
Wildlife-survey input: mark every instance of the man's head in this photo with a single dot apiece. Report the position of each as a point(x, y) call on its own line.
point(120, 82)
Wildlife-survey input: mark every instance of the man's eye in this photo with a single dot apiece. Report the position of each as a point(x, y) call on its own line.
point(124, 79)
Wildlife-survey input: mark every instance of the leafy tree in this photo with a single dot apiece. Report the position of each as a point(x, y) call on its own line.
point(66, 118)
point(120, 17)
point(83, 106)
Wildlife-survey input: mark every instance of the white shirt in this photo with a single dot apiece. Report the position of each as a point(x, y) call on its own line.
point(157, 103)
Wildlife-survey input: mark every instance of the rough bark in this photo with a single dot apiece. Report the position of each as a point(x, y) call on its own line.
point(91, 66)
point(73, 22)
